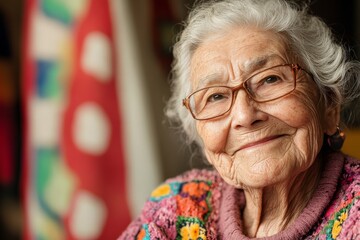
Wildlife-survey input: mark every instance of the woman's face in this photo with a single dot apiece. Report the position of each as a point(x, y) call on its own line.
point(258, 144)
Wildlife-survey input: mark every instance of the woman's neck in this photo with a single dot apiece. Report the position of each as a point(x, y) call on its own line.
point(272, 209)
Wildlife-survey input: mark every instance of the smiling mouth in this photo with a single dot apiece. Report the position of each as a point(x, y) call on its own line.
point(260, 142)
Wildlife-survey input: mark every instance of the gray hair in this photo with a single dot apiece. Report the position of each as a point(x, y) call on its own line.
point(308, 37)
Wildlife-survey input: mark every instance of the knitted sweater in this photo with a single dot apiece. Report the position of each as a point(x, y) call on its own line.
point(199, 205)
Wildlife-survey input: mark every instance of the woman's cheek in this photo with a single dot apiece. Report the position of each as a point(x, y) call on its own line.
point(304, 115)
point(298, 111)
point(213, 135)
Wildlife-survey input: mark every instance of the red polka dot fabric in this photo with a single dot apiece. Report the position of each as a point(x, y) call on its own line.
point(74, 176)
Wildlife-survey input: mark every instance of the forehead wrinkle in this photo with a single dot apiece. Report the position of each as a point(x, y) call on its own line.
point(208, 79)
point(231, 71)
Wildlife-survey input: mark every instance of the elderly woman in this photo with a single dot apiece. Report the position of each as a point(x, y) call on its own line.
point(262, 83)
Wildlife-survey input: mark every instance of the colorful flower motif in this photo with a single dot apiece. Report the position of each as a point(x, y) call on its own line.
point(196, 189)
point(190, 208)
point(334, 226)
point(338, 225)
point(192, 232)
point(192, 201)
point(190, 229)
point(164, 191)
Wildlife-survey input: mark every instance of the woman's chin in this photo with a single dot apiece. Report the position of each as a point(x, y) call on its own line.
point(257, 173)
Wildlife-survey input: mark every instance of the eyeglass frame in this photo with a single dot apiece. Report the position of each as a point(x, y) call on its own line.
point(295, 69)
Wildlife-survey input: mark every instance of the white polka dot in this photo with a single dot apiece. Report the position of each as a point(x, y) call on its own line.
point(96, 56)
point(45, 116)
point(88, 219)
point(91, 129)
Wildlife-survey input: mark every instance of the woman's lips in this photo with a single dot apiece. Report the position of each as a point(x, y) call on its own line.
point(259, 142)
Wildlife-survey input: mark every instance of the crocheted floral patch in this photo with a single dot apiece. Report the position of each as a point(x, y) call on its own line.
point(190, 229)
point(334, 226)
point(182, 205)
point(339, 215)
point(193, 200)
point(164, 191)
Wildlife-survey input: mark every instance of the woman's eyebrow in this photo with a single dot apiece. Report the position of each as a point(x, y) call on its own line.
point(258, 63)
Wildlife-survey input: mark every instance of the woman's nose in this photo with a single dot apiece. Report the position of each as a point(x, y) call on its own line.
point(244, 112)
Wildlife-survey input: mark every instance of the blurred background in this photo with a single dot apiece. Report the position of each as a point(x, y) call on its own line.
point(83, 85)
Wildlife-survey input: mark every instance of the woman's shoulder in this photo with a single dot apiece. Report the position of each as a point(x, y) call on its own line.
point(341, 219)
point(181, 206)
point(346, 215)
point(193, 183)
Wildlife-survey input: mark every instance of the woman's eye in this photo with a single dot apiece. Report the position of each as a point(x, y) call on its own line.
point(215, 97)
point(271, 79)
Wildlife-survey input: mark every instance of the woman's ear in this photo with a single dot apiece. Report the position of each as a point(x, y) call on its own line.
point(332, 119)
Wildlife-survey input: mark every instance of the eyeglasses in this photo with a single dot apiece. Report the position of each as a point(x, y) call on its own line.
point(267, 85)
